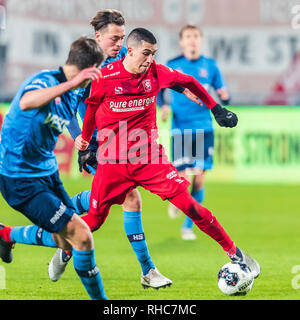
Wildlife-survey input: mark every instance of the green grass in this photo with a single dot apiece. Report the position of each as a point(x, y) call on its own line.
point(262, 219)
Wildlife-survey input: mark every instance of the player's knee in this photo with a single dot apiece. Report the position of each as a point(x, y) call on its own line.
point(86, 239)
point(78, 234)
point(198, 182)
point(133, 201)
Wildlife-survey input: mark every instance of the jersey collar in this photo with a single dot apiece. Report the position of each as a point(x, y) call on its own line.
point(60, 75)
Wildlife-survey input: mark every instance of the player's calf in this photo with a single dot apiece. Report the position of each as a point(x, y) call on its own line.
point(203, 218)
point(208, 223)
point(80, 237)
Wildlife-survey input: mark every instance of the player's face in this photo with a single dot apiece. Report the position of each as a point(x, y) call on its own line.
point(111, 39)
point(191, 41)
point(142, 56)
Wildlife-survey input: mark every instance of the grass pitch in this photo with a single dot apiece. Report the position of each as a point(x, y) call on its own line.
point(261, 219)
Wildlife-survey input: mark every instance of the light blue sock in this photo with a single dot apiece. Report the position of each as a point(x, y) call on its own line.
point(89, 274)
point(81, 202)
point(198, 196)
point(134, 230)
point(33, 235)
point(93, 171)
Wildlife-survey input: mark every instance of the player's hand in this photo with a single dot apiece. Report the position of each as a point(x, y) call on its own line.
point(192, 97)
point(224, 117)
point(164, 112)
point(86, 75)
point(81, 144)
point(224, 96)
point(85, 158)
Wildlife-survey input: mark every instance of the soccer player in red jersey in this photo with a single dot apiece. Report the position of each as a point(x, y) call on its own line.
point(122, 105)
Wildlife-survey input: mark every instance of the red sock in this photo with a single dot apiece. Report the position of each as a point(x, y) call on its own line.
point(204, 220)
point(5, 233)
point(69, 253)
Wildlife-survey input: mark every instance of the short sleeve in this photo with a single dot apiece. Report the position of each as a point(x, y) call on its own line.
point(42, 82)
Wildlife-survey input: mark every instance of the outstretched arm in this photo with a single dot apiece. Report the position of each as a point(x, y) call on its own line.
point(196, 88)
point(184, 91)
point(170, 77)
point(224, 117)
point(37, 98)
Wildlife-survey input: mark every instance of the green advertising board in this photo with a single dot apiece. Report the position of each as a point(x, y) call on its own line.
point(264, 147)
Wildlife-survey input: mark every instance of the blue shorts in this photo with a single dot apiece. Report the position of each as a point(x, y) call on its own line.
point(193, 149)
point(43, 200)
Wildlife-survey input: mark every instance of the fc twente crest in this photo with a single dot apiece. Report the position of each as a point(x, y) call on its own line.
point(147, 85)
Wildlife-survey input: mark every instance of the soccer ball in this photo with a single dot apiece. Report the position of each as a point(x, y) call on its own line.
point(235, 279)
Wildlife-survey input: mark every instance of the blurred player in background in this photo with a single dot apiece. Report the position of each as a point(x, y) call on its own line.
point(29, 178)
point(186, 116)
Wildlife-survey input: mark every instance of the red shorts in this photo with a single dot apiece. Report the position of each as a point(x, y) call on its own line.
point(112, 182)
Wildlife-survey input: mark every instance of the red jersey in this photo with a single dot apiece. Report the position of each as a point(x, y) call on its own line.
point(123, 107)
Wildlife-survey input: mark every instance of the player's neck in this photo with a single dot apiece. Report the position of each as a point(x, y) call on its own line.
point(105, 56)
point(192, 55)
point(128, 66)
point(70, 71)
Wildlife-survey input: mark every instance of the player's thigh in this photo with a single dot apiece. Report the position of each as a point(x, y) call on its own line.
point(110, 186)
point(195, 175)
point(37, 200)
point(162, 179)
point(47, 211)
point(198, 179)
point(186, 174)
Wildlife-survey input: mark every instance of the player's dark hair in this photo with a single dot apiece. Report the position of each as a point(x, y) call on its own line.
point(84, 53)
point(105, 17)
point(140, 34)
point(189, 26)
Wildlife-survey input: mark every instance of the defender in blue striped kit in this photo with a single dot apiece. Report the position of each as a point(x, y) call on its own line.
point(29, 179)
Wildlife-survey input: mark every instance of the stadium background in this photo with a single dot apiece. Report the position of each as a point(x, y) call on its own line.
point(254, 185)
